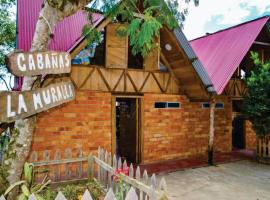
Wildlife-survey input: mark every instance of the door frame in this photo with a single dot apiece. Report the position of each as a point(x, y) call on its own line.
point(139, 124)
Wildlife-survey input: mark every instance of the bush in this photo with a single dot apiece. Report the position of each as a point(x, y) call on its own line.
point(257, 101)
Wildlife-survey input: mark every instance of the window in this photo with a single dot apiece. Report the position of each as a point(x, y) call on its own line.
point(134, 61)
point(218, 105)
point(167, 105)
point(205, 105)
point(173, 105)
point(160, 105)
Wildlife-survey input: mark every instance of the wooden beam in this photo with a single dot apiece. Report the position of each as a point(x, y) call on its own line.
point(178, 45)
point(169, 67)
point(262, 43)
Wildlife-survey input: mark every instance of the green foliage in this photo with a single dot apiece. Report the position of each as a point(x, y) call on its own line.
point(144, 18)
point(28, 186)
point(8, 29)
point(257, 102)
point(3, 179)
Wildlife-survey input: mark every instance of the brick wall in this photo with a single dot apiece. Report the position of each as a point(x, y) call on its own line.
point(84, 123)
point(168, 133)
point(250, 136)
point(181, 133)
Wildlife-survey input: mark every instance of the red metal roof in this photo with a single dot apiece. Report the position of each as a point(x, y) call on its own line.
point(222, 52)
point(66, 33)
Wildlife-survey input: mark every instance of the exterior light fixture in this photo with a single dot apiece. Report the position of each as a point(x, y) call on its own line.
point(168, 47)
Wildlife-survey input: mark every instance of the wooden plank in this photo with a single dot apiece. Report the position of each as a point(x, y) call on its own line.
point(113, 139)
point(39, 63)
point(2, 197)
point(59, 162)
point(19, 105)
point(116, 47)
point(60, 196)
point(90, 167)
point(87, 196)
point(131, 195)
point(68, 170)
point(79, 169)
point(57, 169)
point(110, 195)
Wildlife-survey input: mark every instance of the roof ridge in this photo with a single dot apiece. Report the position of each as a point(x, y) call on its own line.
point(231, 27)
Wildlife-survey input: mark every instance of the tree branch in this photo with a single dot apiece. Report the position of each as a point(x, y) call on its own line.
point(1, 77)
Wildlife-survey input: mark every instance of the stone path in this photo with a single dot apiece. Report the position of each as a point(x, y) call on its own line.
point(242, 180)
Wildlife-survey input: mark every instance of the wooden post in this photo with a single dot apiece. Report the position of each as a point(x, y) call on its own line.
point(211, 132)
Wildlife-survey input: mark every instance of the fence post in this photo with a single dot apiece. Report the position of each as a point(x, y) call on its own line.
point(80, 164)
point(57, 168)
point(90, 167)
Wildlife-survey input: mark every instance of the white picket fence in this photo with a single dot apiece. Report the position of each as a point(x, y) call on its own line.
point(104, 167)
point(145, 187)
point(131, 195)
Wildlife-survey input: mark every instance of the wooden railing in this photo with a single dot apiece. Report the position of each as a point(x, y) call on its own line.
point(263, 149)
point(131, 195)
point(146, 187)
point(104, 167)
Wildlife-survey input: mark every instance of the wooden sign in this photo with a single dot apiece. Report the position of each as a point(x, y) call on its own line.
point(39, 63)
point(19, 105)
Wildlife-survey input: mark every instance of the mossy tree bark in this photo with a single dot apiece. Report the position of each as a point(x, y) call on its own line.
point(49, 17)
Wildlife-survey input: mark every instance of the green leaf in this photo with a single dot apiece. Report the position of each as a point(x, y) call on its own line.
point(11, 187)
point(25, 190)
point(28, 173)
point(22, 197)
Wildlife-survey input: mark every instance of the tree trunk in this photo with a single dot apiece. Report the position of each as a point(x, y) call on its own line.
point(49, 17)
point(211, 132)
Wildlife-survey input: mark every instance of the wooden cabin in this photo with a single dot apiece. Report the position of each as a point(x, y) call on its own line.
point(145, 110)
point(226, 57)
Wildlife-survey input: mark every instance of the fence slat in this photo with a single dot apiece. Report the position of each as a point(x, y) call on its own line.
point(154, 181)
point(145, 177)
point(110, 195)
point(2, 198)
point(131, 195)
point(79, 171)
point(60, 196)
point(131, 171)
point(68, 172)
point(163, 184)
point(57, 169)
point(87, 196)
point(99, 168)
point(125, 164)
point(114, 161)
point(138, 173)
point(32, 197)
point(90, 166)
point(119, 163)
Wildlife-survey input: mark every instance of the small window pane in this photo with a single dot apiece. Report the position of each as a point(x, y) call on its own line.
point(206, 105)
point(174, 105)
point(160, 104)
point(219, 105)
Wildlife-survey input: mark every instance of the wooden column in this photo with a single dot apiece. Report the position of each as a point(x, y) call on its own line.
point(211, 131)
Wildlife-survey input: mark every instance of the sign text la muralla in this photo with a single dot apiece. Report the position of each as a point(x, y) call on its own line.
point(39, 63)
point(19, 105)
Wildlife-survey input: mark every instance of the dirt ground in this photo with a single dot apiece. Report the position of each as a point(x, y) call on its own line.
point(242, 180)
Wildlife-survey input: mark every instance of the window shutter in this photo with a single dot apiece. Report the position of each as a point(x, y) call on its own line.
point(116, 48)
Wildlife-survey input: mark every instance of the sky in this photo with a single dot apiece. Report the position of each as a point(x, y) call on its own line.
point(214, 15)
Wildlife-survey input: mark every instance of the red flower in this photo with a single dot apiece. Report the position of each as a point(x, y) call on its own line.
point(118, 171)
